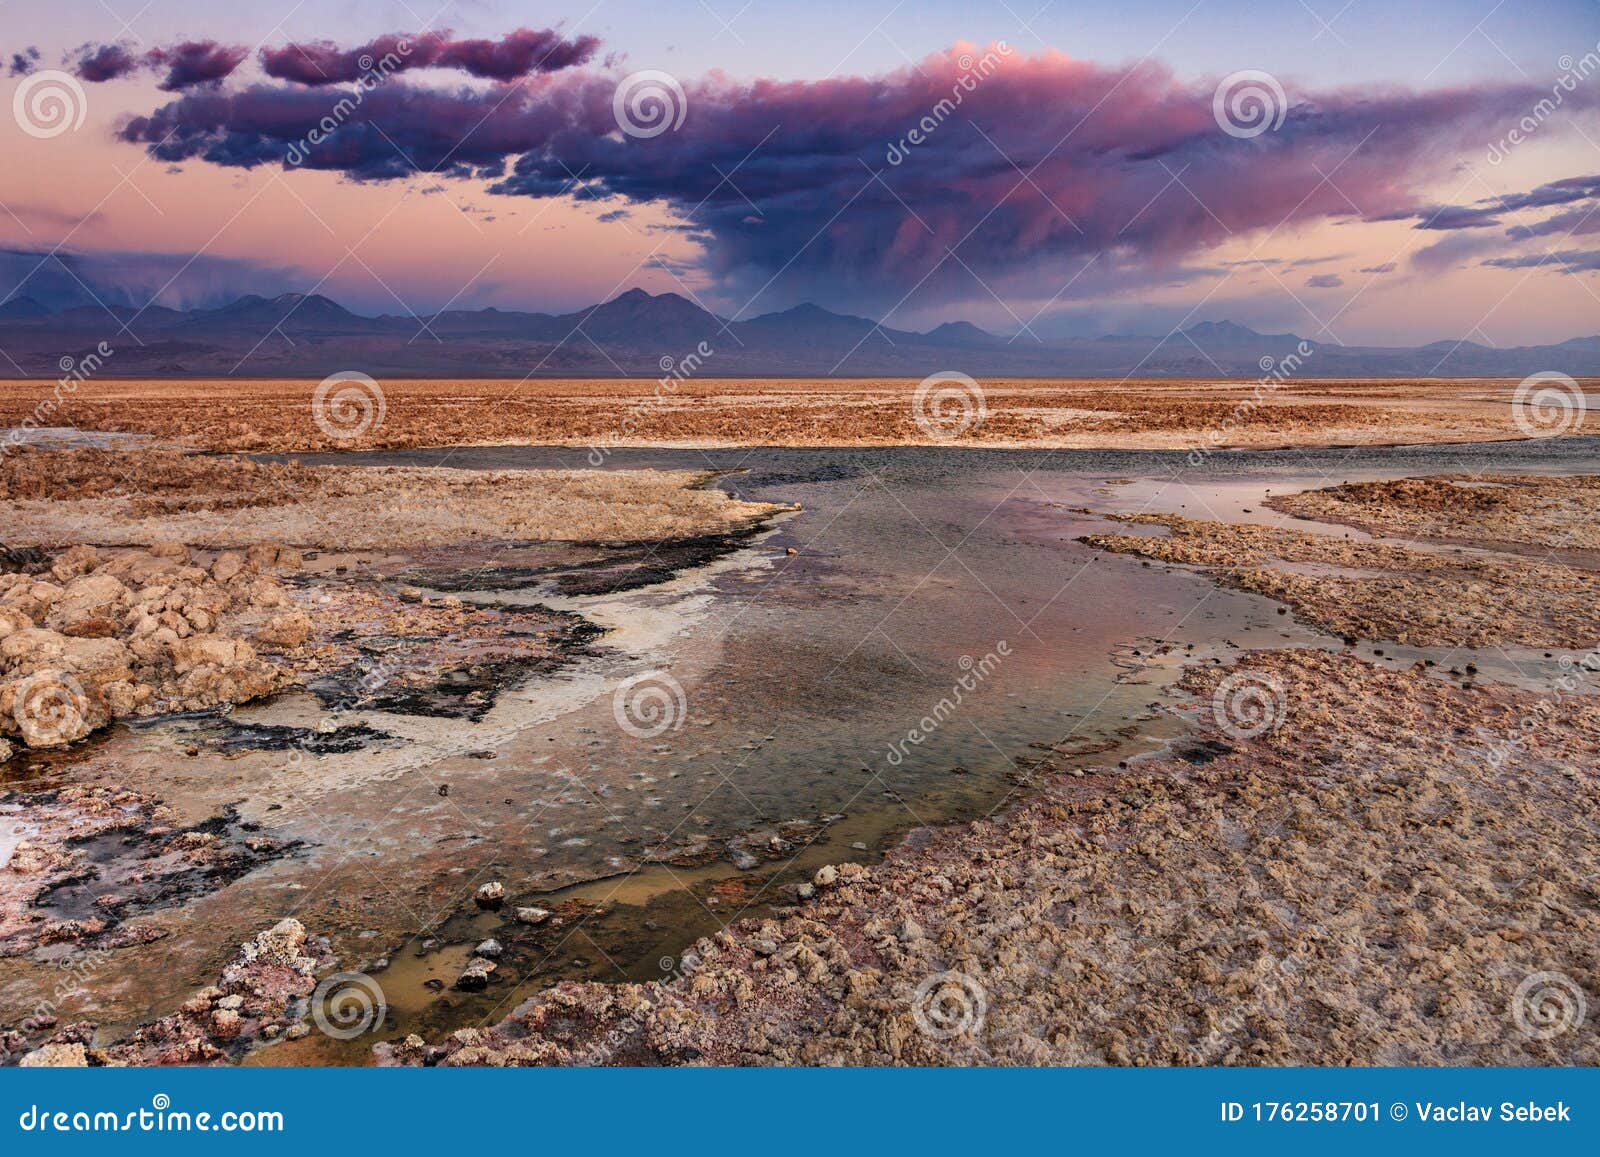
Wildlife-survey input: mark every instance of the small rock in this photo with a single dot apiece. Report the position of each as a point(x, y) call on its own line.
point(225, 1023)
point(228, 565)
point(826, 876)
point(289, 629)
point(475, 977)
point(490, 949)
point(70, 1056)
point(490, 895)
point(532, 915)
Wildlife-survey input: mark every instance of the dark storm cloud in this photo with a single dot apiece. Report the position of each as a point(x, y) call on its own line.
point(524, 52)
point(196, 62)
point(1041, 163)
point(103, 62)
point(186, 64)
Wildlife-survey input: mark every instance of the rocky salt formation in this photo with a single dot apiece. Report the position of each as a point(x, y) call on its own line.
point(1544, 512)
point(260, 997)
point(92, 635)
point(1381, 590)
point(143, 625)
point(103, 635)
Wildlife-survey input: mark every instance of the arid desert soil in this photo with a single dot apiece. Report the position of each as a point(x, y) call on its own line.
point(132, 498)
point(259, 415)
point(1341, 863)
point(1543, 514)
point(1378, 590)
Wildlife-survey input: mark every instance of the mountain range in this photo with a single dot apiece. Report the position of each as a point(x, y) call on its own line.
point(638, 334)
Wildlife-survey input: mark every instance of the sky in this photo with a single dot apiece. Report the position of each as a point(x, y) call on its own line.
point(1356, 172)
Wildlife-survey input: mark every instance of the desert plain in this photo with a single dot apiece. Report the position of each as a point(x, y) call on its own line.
point(1358, 849)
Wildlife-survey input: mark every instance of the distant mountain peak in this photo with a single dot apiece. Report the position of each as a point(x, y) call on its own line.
point(633, 332)
point(1232, 334)
point(1221, 329)
point(957, 331)
point(22, 307)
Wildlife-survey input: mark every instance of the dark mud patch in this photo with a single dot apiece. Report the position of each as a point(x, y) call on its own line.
point(1200, 751)
point(83, 862)
point(221, 735)
point(454, 678)
point(583, 568)
point(27, 559)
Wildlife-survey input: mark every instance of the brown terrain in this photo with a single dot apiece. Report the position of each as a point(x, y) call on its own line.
point(258, 415)
point(147, 582)
point(1341, 863)
point(1358, 884)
